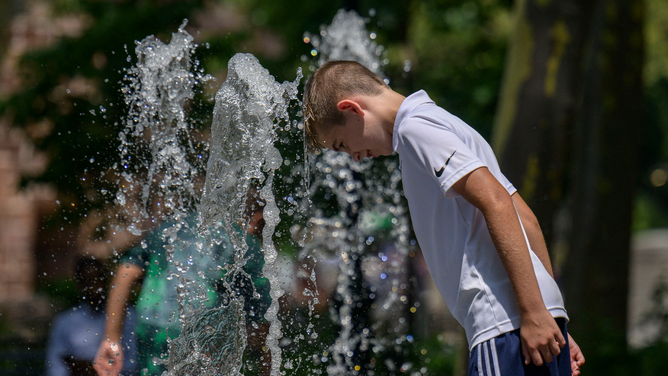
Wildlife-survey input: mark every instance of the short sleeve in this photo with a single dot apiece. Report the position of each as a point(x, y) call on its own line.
point(437, 149)
point(141, 254)
point(136, 256)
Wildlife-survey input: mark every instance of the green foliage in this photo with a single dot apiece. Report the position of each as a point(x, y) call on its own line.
point(457, 50)
point(61, 293)
point(652, 202)
point(612, 358)
point(650, 361)
point(656, 39)
point(608, 353)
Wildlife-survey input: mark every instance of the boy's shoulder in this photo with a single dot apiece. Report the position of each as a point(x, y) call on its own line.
point(422, 114)
point(416, 99)
point(420, 105)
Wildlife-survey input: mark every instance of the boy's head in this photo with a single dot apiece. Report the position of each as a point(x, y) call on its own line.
point(331, 83)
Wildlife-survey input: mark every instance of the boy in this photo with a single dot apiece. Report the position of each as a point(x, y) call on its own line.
point(483, 244)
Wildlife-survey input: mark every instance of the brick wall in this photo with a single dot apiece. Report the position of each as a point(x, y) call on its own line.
point(18, 216)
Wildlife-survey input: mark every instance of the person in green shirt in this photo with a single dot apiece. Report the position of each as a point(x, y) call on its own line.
point(172, 260)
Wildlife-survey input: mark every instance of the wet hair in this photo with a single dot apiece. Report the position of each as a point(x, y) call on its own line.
point(331, 83)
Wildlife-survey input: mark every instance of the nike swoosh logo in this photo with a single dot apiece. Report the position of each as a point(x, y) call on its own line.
point(440, 172)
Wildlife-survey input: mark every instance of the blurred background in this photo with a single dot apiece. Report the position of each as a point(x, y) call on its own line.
point(572, 95)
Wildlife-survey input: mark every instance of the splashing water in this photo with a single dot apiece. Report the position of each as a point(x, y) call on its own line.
point(158, 178)
point(157, 134)
point(248, 106)
point(347, 39)
point(202, 350)
point(158, 184)
point(371, 214)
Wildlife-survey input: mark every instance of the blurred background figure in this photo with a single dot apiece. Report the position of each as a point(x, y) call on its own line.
point(77, 332)
point(159, 263)
point(157, 304)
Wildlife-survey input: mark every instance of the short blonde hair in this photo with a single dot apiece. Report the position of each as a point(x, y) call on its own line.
point(330, 84)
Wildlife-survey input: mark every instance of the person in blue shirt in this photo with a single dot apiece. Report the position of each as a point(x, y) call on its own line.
point(77, 332)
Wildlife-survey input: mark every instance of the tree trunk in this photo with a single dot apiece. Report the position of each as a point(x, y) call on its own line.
point(567, 135)
point(538, 101)
point(607, 135)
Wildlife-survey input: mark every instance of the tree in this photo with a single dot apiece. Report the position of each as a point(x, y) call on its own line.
point(567, 132)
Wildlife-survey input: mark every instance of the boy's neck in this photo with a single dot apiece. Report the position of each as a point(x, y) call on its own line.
point(386, 105)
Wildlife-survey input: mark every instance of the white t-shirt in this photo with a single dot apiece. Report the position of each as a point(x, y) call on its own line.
point(436, 149)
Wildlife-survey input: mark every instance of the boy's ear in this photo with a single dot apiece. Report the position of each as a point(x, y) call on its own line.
point(347, 105)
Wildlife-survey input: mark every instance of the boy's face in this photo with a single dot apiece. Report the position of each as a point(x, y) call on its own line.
point(360, 136)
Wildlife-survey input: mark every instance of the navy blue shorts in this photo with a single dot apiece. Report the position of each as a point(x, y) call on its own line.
point(502, 356)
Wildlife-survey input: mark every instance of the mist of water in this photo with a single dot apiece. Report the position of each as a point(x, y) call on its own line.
point(370, 215)
point(347, 38)
point(162, 162)
point(157, 140)
point(161, 165)
point(248, 107)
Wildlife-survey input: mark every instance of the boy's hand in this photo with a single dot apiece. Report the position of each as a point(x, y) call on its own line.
point(541, 337)
point(109, 358)
point(577, 359)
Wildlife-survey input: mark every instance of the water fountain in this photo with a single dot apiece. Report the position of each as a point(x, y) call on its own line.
point(158, 136)
point(248, 106)
point(160, 167)
point(367, 225)
point(369, 210)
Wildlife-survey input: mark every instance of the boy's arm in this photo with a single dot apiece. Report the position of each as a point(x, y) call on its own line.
point(533, 231)
point(537, 242)
point(540, 335)
point(109, 357)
